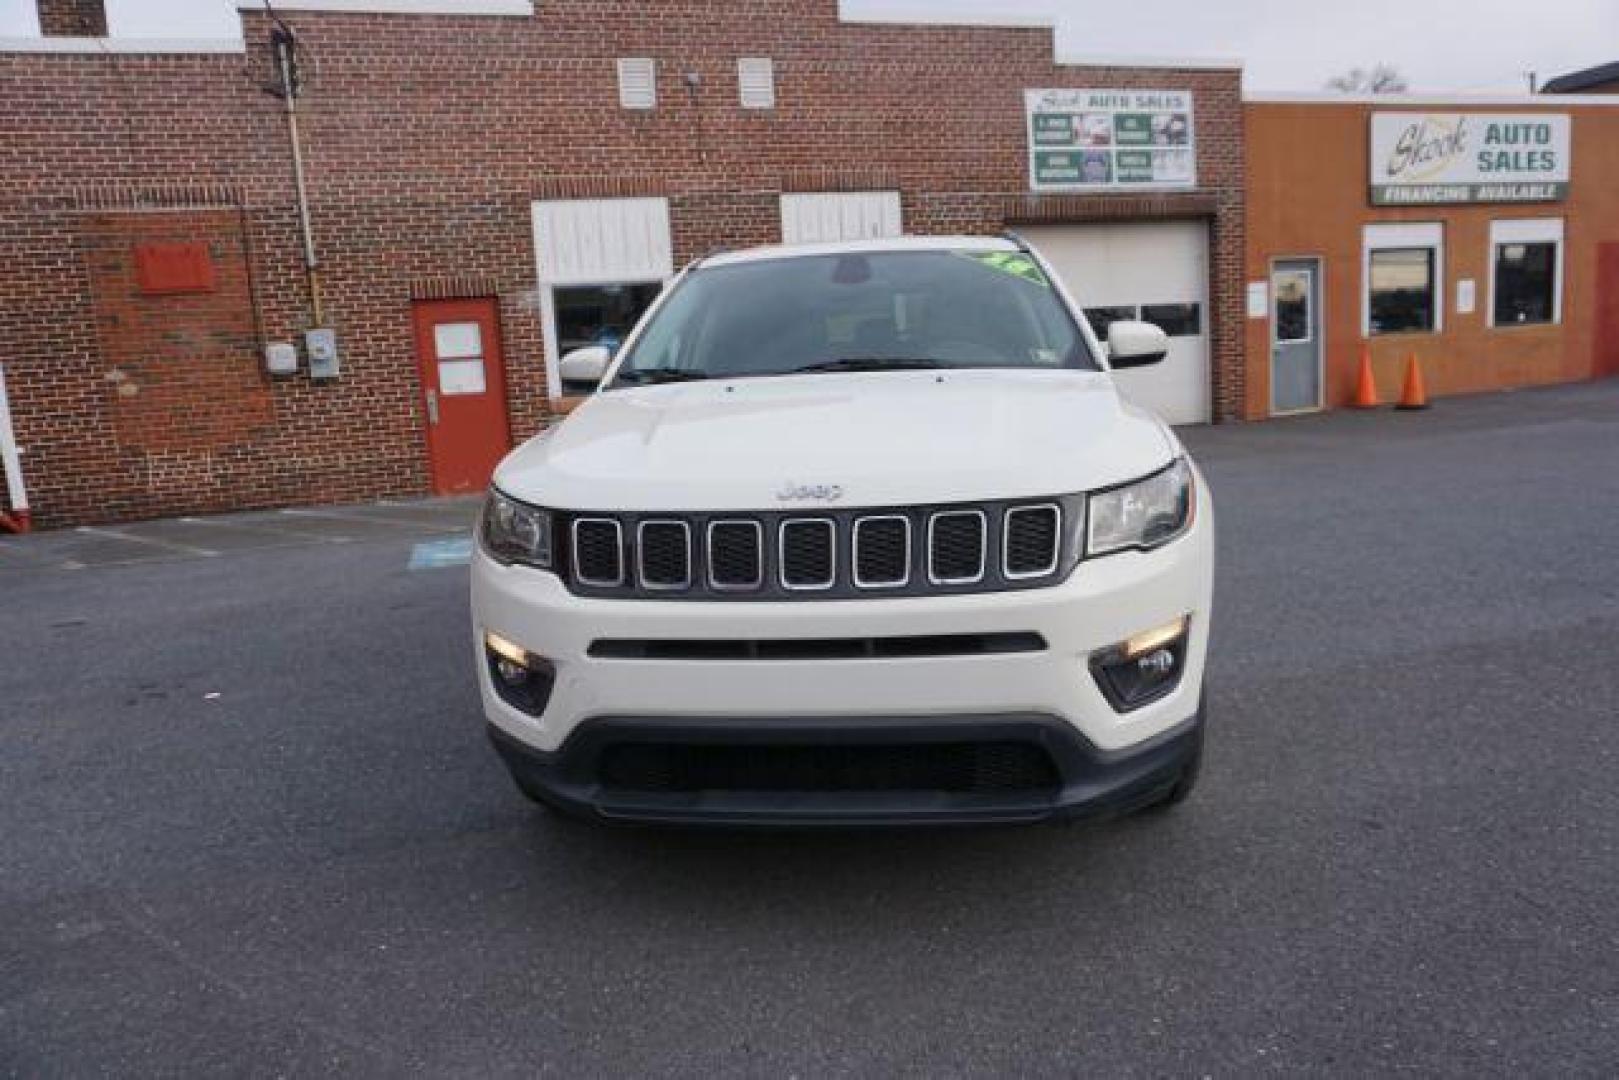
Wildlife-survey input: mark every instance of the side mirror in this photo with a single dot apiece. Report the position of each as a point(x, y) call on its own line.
point(586, 366)
point(1135, 344)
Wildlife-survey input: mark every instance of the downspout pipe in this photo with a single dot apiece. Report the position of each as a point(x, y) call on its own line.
point(285, 43)
point(18, 520)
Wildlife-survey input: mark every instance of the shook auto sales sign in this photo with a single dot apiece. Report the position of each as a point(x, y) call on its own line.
point(1426, 158)
point(1110, 140)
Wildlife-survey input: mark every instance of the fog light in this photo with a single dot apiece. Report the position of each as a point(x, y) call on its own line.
point(521, 679)
point(1142, 668)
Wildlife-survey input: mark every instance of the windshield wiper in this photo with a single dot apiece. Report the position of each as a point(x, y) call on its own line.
point(870, 363)
point(661, 375)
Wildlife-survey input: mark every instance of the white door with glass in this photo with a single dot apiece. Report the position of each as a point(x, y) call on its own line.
point(1295, 335)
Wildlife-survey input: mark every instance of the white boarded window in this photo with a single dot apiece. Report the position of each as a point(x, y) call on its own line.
point(601, 263)
point(637, 82)
point(756, 82)
point(821, 217)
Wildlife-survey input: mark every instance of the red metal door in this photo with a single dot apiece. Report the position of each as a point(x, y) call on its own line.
point(463, 391)
point(1607, 321)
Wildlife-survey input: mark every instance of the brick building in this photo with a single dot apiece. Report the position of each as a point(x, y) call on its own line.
point(490, 188)
point(1478, 234)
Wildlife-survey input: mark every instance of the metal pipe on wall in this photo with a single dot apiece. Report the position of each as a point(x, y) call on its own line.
point(285, 43)
point(19, 519)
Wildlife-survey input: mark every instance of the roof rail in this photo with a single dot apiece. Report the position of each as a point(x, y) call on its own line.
point(1016, 239)
point(717, 249)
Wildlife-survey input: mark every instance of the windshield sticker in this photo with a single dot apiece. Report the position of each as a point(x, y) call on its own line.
point(1009, 262)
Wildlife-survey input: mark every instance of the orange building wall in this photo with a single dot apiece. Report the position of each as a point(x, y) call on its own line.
point(1308, 195)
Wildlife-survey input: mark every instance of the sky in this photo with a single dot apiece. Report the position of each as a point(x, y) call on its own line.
point(1461, 46)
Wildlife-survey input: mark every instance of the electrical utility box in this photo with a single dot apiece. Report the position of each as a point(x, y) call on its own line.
point(322, 348)
point(281, 358)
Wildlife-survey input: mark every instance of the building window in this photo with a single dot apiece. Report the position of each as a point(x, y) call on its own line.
point(1292, 289)
point(638, 82)
point(1402, 290)
point(1526, 272)
point(1403, 267)
point(1176, 320)
point(600, 314)
point(1101, 318)
point(601, 263)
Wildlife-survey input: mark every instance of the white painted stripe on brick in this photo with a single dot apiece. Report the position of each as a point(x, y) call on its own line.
point(120, 46)
point(919, 15)
point(399, 7)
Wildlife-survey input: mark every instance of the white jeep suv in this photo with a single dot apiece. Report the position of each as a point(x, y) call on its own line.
point(850, 534)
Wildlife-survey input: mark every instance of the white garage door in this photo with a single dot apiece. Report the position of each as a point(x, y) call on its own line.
point(1156, 271)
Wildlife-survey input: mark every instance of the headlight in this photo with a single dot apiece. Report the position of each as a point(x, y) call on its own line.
point(1141, 515)
point(513, 532)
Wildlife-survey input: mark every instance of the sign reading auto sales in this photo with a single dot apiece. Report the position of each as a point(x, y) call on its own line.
point(1110, 140)
point(1427, 158)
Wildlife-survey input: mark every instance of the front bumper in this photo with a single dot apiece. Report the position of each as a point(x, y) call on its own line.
point(1088, 782)
point(1047, 692)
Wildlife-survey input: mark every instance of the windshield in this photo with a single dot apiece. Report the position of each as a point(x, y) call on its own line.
point(858, 312)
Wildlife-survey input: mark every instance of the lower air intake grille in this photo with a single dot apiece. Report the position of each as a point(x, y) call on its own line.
point(969, 767)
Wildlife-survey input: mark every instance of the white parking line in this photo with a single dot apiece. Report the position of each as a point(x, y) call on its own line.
point(267, 530)
point(377, 519)
point(169, 545)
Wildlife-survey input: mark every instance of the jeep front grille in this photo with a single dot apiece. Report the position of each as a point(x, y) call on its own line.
point(897, 551)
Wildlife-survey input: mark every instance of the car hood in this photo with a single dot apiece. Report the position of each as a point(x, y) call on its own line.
point(847, 439)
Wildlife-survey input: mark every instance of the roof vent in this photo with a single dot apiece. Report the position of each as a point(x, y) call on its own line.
point(638, 82)
point(756, 79)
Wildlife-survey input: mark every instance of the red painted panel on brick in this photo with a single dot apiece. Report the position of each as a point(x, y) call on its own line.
point(1607, 335)
point(174, 268)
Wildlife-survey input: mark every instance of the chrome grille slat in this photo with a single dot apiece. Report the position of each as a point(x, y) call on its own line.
point(598, 551)
point(807, 550)
point(1031, 541)
point(663, 554)
point(736, 554)
point(956, 543)
point(882, 551)
point(821, 553)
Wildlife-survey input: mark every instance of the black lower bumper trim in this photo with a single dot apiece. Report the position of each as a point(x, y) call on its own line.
point(1088, 781)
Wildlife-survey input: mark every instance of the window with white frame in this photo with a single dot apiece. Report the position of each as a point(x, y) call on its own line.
point(1526, 272)
point(1403, 265)
point(602, 263)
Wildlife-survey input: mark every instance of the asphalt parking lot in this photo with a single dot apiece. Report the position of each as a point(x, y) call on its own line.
point(249, 822)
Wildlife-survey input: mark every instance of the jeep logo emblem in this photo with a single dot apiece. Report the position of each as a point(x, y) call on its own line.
point(819, 492)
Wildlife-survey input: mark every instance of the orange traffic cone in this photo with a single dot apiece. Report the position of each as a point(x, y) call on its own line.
point(1414, 396)
point(1366, 386)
